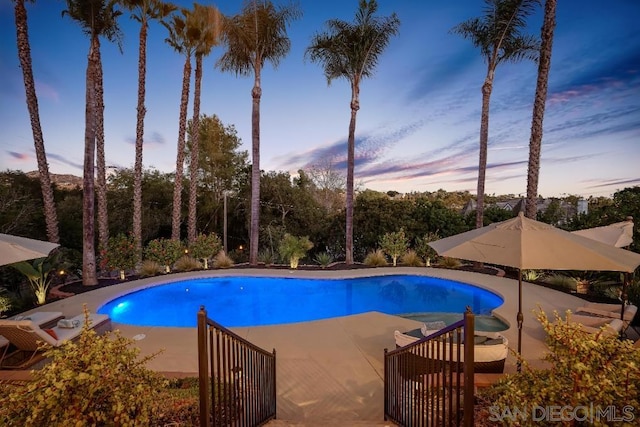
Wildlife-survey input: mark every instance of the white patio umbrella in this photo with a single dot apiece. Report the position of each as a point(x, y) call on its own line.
point(619, 234)
point(527, 244)
point(16, 249)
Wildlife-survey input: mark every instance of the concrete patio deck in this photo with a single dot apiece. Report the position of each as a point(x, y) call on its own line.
point(328, 371)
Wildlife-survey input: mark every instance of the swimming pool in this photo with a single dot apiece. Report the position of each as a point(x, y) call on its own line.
point(258, 301)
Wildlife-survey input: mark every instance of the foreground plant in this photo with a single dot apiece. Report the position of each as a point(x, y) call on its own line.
point(593, 377)
point(96, 380)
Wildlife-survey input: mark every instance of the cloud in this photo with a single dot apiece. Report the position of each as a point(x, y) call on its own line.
point(154, 138)
point(19, 156)
point(64, 160)
point(618, 182)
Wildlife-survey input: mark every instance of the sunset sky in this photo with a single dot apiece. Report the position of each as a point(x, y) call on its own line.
point(418, 126)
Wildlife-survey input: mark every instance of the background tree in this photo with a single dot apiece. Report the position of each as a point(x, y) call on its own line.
point(329, 184)
point(535, 142)
point(221, 166)
point(143, 11)
point(351, 51)
point(498, 34)
point(182, 41)
point(257, 35)
point(97, 18)
point(24, 54)
point(206, 32)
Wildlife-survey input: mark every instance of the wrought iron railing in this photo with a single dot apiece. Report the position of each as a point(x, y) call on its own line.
point(430, 381)
point(237, 378)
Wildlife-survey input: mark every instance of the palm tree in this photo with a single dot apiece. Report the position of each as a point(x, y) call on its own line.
point(535, 142)
point(143, 11)
point(97, 18)
point(351, 50)
point(499, 36)
point(182, 41)
point(256, 35)
point(206, 34)
point(24, 54)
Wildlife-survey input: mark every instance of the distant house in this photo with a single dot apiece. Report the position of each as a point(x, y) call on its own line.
point(568, 210)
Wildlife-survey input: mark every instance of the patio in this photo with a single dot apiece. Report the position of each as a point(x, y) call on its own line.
point(327, 370)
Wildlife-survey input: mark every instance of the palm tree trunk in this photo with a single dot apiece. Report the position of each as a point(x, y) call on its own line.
point(24, 54)
point(487, 87)
point(88, 235)
point(535, 143)
point(182, 130)
point(256, 93)
point(195, 139)
point(137, 169)
point(355, 106)
point(101, 179)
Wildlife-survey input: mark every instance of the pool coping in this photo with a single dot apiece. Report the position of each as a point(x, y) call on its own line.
point(332, 368)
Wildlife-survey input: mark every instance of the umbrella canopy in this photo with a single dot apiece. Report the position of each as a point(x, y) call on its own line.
point(16, 249)
point(532, 245)
point(524, 243)
point(619, 234)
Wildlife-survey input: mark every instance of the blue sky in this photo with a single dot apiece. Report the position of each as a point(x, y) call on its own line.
point(418, 125)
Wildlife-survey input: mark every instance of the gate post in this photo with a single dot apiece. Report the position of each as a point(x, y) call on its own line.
point(203, 368)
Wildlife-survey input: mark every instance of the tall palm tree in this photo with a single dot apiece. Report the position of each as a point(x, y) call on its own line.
point(352, 50)
point(143, 11)
point(182, 40)
point(97, 18)
point(101, 166)
point(498, 34)
point(207, 27)
point(535, 142)
point(24, 54)
point(256, 35)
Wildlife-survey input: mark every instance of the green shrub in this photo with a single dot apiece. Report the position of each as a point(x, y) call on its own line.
point(532, 275)
point(205, 247)
point(411, 259)
point(424, 250)
point(448, 262)
point(120, 254)
point(187, 263)
point(292, 248)
point(222, 260)
point(394, 244)
point(587, 371)
point(164, 251)
point(266, 257)
point(6, 302)
point(95, 380)
point(562, 281)
point(375, 259)
point(323, 259)
point(149, 268)
point(37, 273)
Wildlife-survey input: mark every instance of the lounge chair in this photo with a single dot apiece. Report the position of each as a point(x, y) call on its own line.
point(490, 349)
point(609, 311)
point(44, 319)
point(29, 339)
point(594, 325)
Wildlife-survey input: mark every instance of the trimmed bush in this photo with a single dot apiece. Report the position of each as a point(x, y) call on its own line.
point(164, 251)
point(120, 254)
point(375, 259)
point(205, 247)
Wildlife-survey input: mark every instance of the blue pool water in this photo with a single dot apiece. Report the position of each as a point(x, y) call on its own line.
point(254, 301)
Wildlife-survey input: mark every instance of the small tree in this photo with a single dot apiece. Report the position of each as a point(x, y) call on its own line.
point(394, 244)
point(205, 247)
point(120, 254)
point(424, 250)
point(588, 372)
point(293, 248)
point(164, 252)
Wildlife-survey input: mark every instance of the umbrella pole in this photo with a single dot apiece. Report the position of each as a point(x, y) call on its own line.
point(520, 320)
